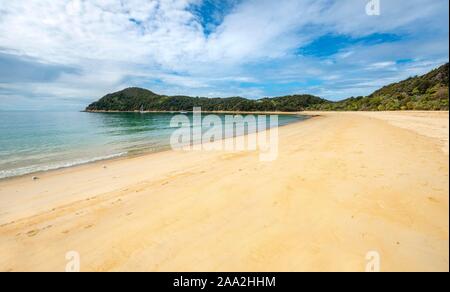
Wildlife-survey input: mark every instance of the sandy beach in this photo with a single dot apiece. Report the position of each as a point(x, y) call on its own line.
point(344, 184)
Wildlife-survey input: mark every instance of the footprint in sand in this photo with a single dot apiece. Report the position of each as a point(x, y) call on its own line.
point(116, 202)
point(433, 200)
point(32, 233)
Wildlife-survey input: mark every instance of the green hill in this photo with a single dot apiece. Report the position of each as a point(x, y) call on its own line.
point(135, 99)
point(427, 92)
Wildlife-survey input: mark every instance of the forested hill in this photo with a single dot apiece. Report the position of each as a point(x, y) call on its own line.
point(427, 92)
point(135, 99)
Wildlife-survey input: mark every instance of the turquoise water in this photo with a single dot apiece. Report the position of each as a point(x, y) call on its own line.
point(39, 141)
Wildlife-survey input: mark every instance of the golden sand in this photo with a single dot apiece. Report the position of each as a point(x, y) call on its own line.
point(344, 184)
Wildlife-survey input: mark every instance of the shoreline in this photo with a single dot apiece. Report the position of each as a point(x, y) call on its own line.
point(343, 185)
point(128, 155)
point(267, 113)
point(190, 112)
point(308, 114)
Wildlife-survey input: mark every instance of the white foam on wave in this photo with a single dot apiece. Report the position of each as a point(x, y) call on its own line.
point(38, 168)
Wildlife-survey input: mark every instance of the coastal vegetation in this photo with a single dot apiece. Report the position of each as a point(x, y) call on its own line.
point(427, 92)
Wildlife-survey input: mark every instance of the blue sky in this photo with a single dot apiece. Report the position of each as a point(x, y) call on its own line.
point(66, 54)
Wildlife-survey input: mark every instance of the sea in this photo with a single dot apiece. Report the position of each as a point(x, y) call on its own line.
point(35, 141)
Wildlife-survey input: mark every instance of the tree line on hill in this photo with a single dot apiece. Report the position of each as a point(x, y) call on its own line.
point(427, 92)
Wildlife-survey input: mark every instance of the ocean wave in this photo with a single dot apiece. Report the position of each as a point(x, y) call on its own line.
point(38, 168)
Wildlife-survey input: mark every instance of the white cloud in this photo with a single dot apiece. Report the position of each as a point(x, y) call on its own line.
point(381, 65)
point(112, 42)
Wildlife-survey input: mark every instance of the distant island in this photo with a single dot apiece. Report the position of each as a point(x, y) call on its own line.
point(427, 92)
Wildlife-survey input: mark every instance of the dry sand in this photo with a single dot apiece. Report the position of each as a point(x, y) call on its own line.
point(343, 185)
